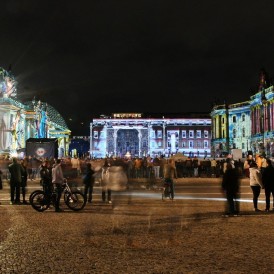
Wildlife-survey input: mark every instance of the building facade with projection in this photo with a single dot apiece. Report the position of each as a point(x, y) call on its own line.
point(21, 121)
point(248, 126)
point(139, 135)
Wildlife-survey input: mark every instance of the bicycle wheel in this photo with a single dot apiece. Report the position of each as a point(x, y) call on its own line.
point(75, 200)
point(38, 201)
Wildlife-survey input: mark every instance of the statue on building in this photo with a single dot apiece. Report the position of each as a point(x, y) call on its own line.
point(7, 84)
point(41, 119)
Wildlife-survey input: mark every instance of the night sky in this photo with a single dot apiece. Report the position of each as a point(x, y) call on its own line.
point(87, 58)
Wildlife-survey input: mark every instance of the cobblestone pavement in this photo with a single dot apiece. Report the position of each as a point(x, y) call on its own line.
point(136, 236)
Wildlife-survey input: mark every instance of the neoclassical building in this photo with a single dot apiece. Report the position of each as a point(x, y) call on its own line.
point(248, 125)
point(21, 121)
point(137, 135)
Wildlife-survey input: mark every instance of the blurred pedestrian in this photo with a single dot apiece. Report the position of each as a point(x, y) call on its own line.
point(89, 182)
point(57, 180)
point(255, 179)
point(1, 184)
point(16, 172)
point(231, 187)
point(268, 182)
point(105, 182)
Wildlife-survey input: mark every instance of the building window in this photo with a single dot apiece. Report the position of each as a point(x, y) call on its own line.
point(159, 144)
point(152, 134)
point(243, 132)
point(183, 134)
point(243, 117)
point(159, 134)
point(190, 144)
point(205, 144)
point(234, 119)
point(199, 144)
point(191, 134)
point(234, 133)
point(223, 120)
point(198, 134)
point(243, 146)
point(95, 134)
point(184, 144)
point(206, 134)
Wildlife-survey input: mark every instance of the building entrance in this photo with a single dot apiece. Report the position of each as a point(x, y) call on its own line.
point(127, 141)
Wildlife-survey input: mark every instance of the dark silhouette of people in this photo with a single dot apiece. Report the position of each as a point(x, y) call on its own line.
point(231, 186)
point(89, 182)
point(268, 182)
point(16, 171)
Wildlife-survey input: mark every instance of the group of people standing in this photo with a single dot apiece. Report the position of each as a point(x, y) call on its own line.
point(259, 178)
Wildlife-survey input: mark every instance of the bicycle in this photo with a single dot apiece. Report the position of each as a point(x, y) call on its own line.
point(74, 199)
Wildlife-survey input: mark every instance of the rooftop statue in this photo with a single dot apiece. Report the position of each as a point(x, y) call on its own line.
point(7, 84)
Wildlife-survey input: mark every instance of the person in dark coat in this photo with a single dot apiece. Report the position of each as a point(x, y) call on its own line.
point(24, 181)
point(89, 182)
point(46, 178)
point(231, 186)
point(16, 171)
point(268, 182)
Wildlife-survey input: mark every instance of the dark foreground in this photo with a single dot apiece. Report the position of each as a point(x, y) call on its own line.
point(136, 235)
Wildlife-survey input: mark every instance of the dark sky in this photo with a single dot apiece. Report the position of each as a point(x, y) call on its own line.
point(91, 57)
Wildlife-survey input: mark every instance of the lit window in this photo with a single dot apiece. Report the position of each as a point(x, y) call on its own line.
point(191, 134)
point(205, 144)
point(159, 134)
point(183, 134)
point(206, 134)
point(198, 134)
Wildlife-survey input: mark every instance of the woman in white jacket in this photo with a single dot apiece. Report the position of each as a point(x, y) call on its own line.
point(255, 183)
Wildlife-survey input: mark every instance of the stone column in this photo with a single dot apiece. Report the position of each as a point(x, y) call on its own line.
point(115, 142)
point(140, 139)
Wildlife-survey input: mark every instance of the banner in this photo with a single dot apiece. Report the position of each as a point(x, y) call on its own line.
point(42, 148)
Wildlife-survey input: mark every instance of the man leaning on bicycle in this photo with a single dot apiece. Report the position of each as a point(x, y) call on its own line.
point(58, 180)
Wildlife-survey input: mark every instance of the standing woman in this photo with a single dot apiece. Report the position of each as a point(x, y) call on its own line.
point(255, 179)
point(105, 182)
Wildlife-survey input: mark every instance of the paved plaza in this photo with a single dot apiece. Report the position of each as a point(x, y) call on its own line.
point(137, 233)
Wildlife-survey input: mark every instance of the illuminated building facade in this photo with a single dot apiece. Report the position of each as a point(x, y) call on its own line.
point(21, 121)
point(248, 126)
point(138, 136)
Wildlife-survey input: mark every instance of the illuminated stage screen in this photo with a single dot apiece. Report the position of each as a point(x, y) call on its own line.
point(42, 148)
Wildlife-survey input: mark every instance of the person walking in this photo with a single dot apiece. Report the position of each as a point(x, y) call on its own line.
point(268, 182)
point(231, 187)
point(169, 173)
point(57, 180)
point(16, 172)
point(256, 184)
point(89, 182)
point(105, 182)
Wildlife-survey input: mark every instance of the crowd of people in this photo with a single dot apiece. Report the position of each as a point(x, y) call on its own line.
point(260, 172)
point(258, 169)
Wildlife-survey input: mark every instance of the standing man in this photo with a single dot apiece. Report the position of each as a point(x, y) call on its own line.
point(16, 172)
point(57, 180)
point(231, 187)
point(89, 182)
point(268, 182)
